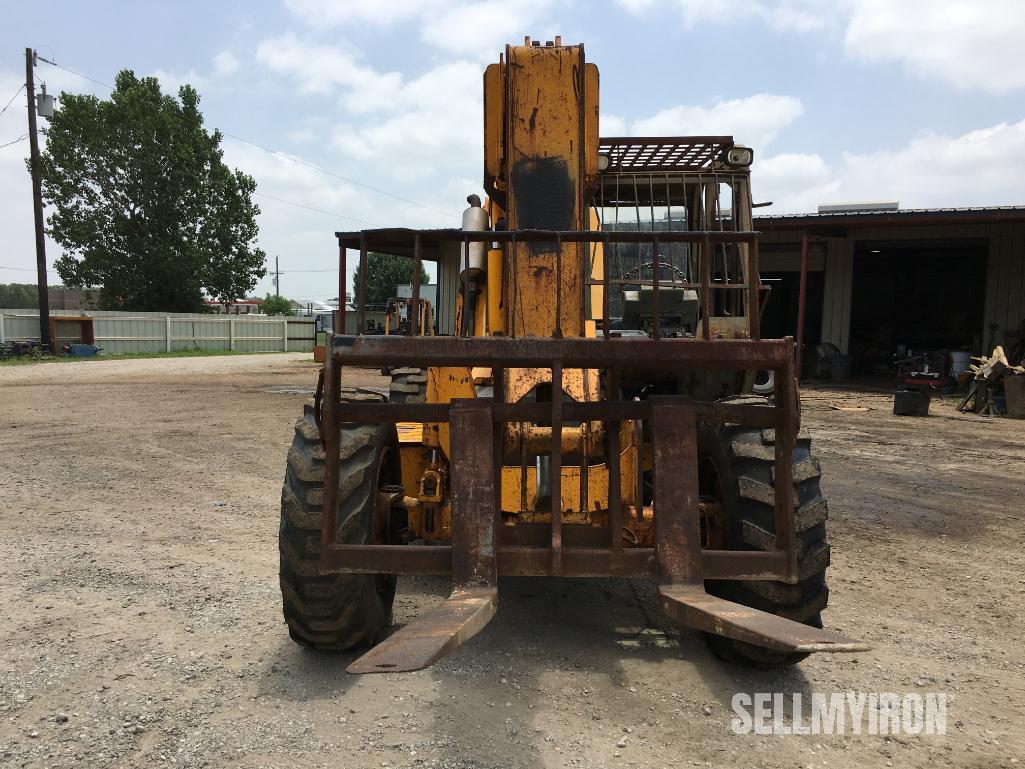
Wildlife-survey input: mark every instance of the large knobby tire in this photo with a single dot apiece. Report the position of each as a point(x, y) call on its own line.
point(408, 385)
point(736, 466)
point(334, 611)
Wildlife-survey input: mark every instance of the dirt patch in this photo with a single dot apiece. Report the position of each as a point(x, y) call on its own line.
point(138, 589)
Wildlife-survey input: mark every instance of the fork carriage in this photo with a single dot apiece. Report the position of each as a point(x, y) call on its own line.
point(486, 542)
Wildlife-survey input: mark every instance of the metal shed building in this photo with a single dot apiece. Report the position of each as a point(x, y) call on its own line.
point(945, 278)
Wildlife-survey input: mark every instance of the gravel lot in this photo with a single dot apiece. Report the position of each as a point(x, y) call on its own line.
point(141, 623)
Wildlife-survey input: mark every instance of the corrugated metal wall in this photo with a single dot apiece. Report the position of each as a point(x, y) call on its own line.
point(448, 287)
point(836, 295)
point(148, 332)
point(1005, 272)
point(1005, 281)
point(776, 255)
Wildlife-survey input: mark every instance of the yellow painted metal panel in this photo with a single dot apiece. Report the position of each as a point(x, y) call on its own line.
point(496, 312)
point(544, 166)
point(494, 125)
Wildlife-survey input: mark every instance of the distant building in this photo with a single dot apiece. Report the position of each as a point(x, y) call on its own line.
point(71, 299)
point(886, 283)
point(428, 291)
point(313, 306)
point(240, 307)
point(321, 311)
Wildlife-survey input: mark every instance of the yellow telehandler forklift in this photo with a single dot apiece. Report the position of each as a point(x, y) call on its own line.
point(585, 409)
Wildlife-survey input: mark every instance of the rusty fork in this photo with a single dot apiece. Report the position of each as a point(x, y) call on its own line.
point(681, 584)
point(474, 595)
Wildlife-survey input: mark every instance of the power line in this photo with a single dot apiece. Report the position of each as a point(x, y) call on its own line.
point(73, 72)
point(302, 162)
point(20, 269)
point(14, 141)
point(311, 208)
point(11, 100)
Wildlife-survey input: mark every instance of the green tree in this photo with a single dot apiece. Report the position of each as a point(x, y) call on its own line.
point(276, 305)
point(143, 204)
point(384, 272)
point(20, 296)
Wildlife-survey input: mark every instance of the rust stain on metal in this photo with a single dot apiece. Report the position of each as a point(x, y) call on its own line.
point(692, 606)
point(426, 640)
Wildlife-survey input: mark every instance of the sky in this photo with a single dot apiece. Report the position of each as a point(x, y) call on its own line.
point(372, 111)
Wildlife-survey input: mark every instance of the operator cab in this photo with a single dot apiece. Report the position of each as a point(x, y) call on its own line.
point(678, 184)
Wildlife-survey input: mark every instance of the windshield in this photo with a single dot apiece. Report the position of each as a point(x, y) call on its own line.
point(678, 203)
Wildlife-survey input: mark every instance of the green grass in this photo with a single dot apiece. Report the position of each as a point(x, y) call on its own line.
point(28, 360)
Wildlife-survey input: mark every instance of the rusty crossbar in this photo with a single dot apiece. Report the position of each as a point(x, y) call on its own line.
point(403, 235)
point(614, 356)
point(636, 353)
point(409, 242)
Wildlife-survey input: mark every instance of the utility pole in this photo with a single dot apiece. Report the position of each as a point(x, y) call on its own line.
point(37, 203)
point(277, 278)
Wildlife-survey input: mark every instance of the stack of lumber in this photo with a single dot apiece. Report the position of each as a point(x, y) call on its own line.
point(995, 367)
point(989, 373)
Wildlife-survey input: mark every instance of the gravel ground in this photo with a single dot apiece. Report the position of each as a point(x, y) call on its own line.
point(141, 623)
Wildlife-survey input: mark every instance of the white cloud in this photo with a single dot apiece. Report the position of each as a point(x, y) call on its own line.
point(753, 120)
point(611, 125)
point(484, 27)
point(303, 135)
point(323, 69)
point(980, 167)
point(225, 64)
point(967, 43)
point(796, 15)
point(407, 129)
point(477, 27)
point(637, 6)
point(794, 182)
point(302, 236)
point(341, 12)
point(437, 124)
point(171, 82)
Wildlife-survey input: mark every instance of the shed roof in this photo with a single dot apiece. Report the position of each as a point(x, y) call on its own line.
point(902, 217)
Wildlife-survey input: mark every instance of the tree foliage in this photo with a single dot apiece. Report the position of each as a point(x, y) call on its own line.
point(143, 204)
point(276, 305)
point(384, 272)
point(23, 296)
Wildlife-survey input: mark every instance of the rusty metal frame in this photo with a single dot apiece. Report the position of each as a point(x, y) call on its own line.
point(408, 242)
point(482, 548)
point(648, 154)
point(614, 356)
point(610, 354)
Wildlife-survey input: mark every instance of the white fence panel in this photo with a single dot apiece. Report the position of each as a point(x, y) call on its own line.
point(152, 332)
